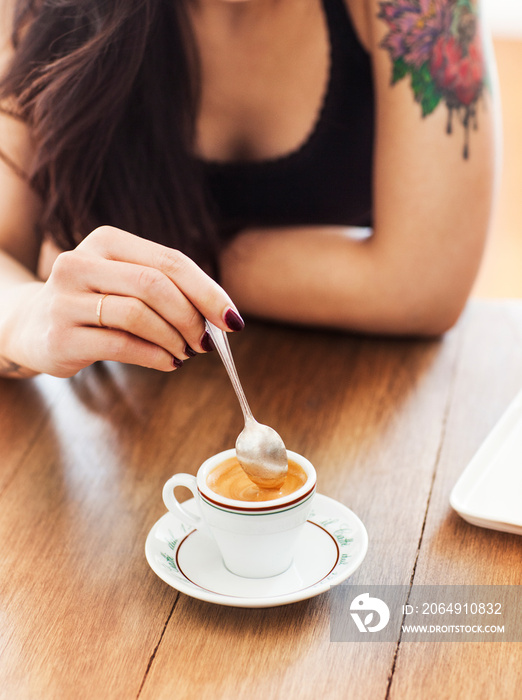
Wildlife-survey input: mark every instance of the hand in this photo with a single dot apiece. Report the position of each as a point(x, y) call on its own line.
point(120, 297)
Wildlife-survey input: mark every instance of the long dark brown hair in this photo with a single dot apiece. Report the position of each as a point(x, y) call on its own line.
point(109, 89)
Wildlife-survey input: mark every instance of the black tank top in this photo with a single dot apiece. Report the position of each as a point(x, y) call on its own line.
point(328, 179)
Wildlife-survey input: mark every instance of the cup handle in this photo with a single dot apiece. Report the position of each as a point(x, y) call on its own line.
point(173, 504)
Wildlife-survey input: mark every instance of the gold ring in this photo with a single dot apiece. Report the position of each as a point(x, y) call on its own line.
point(99, 311)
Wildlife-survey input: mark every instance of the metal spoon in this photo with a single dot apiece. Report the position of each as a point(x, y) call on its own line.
point(259, 449)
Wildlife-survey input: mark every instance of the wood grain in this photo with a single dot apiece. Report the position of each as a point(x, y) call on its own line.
point(23, 407)
point(389, 425)
point(369, 415)
point(454, 552)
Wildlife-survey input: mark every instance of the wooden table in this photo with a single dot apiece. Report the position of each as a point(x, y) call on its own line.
point(390, 425)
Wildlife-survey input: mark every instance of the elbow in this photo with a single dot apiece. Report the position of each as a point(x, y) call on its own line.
point(414, 316)
point(430, 316)
point(433, 324)
point(428, 299)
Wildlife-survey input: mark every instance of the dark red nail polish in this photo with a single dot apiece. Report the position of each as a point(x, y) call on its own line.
point(234, 320)
point(177, 363)
point(189, 351)
point(206, 342)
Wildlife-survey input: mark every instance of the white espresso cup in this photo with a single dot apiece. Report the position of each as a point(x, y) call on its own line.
point(257, 539)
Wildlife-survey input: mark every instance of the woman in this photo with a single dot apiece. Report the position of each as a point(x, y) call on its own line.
point(160, 144)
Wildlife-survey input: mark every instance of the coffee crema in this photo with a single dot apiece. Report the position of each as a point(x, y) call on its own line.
point(230, 480)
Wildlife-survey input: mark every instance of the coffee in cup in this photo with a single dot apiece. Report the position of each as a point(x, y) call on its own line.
point(229, 479)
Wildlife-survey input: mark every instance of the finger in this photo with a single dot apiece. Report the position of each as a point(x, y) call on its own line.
point(203, 292)
point(147, 285)
point(89, 273)
point(134, 316)
point(94, 344)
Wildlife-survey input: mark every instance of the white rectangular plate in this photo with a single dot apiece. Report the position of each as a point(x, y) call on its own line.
point(489, 491)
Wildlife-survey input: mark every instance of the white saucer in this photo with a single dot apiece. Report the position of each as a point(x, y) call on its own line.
point(332, 546)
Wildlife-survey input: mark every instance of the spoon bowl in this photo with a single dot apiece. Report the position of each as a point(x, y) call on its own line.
point(262, 454)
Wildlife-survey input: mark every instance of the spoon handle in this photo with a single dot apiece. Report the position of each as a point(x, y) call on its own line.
point(220, 340)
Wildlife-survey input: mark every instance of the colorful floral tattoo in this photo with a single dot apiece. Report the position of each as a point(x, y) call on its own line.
point(437, 43)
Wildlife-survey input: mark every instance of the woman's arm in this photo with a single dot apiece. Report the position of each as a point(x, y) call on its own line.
point(432, 200)
point(154, 298)
point(19, 243)
point(115, 297)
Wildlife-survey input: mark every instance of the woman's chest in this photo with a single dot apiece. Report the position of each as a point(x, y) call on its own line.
point(263, 82)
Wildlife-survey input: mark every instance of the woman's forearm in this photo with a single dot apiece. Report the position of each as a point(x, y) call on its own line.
point(324, 277)
point(17, 284)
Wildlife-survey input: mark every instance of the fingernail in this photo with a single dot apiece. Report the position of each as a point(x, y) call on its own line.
point(177, 363)
point(189, 351)
point(234, 320)
point(206, 342)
